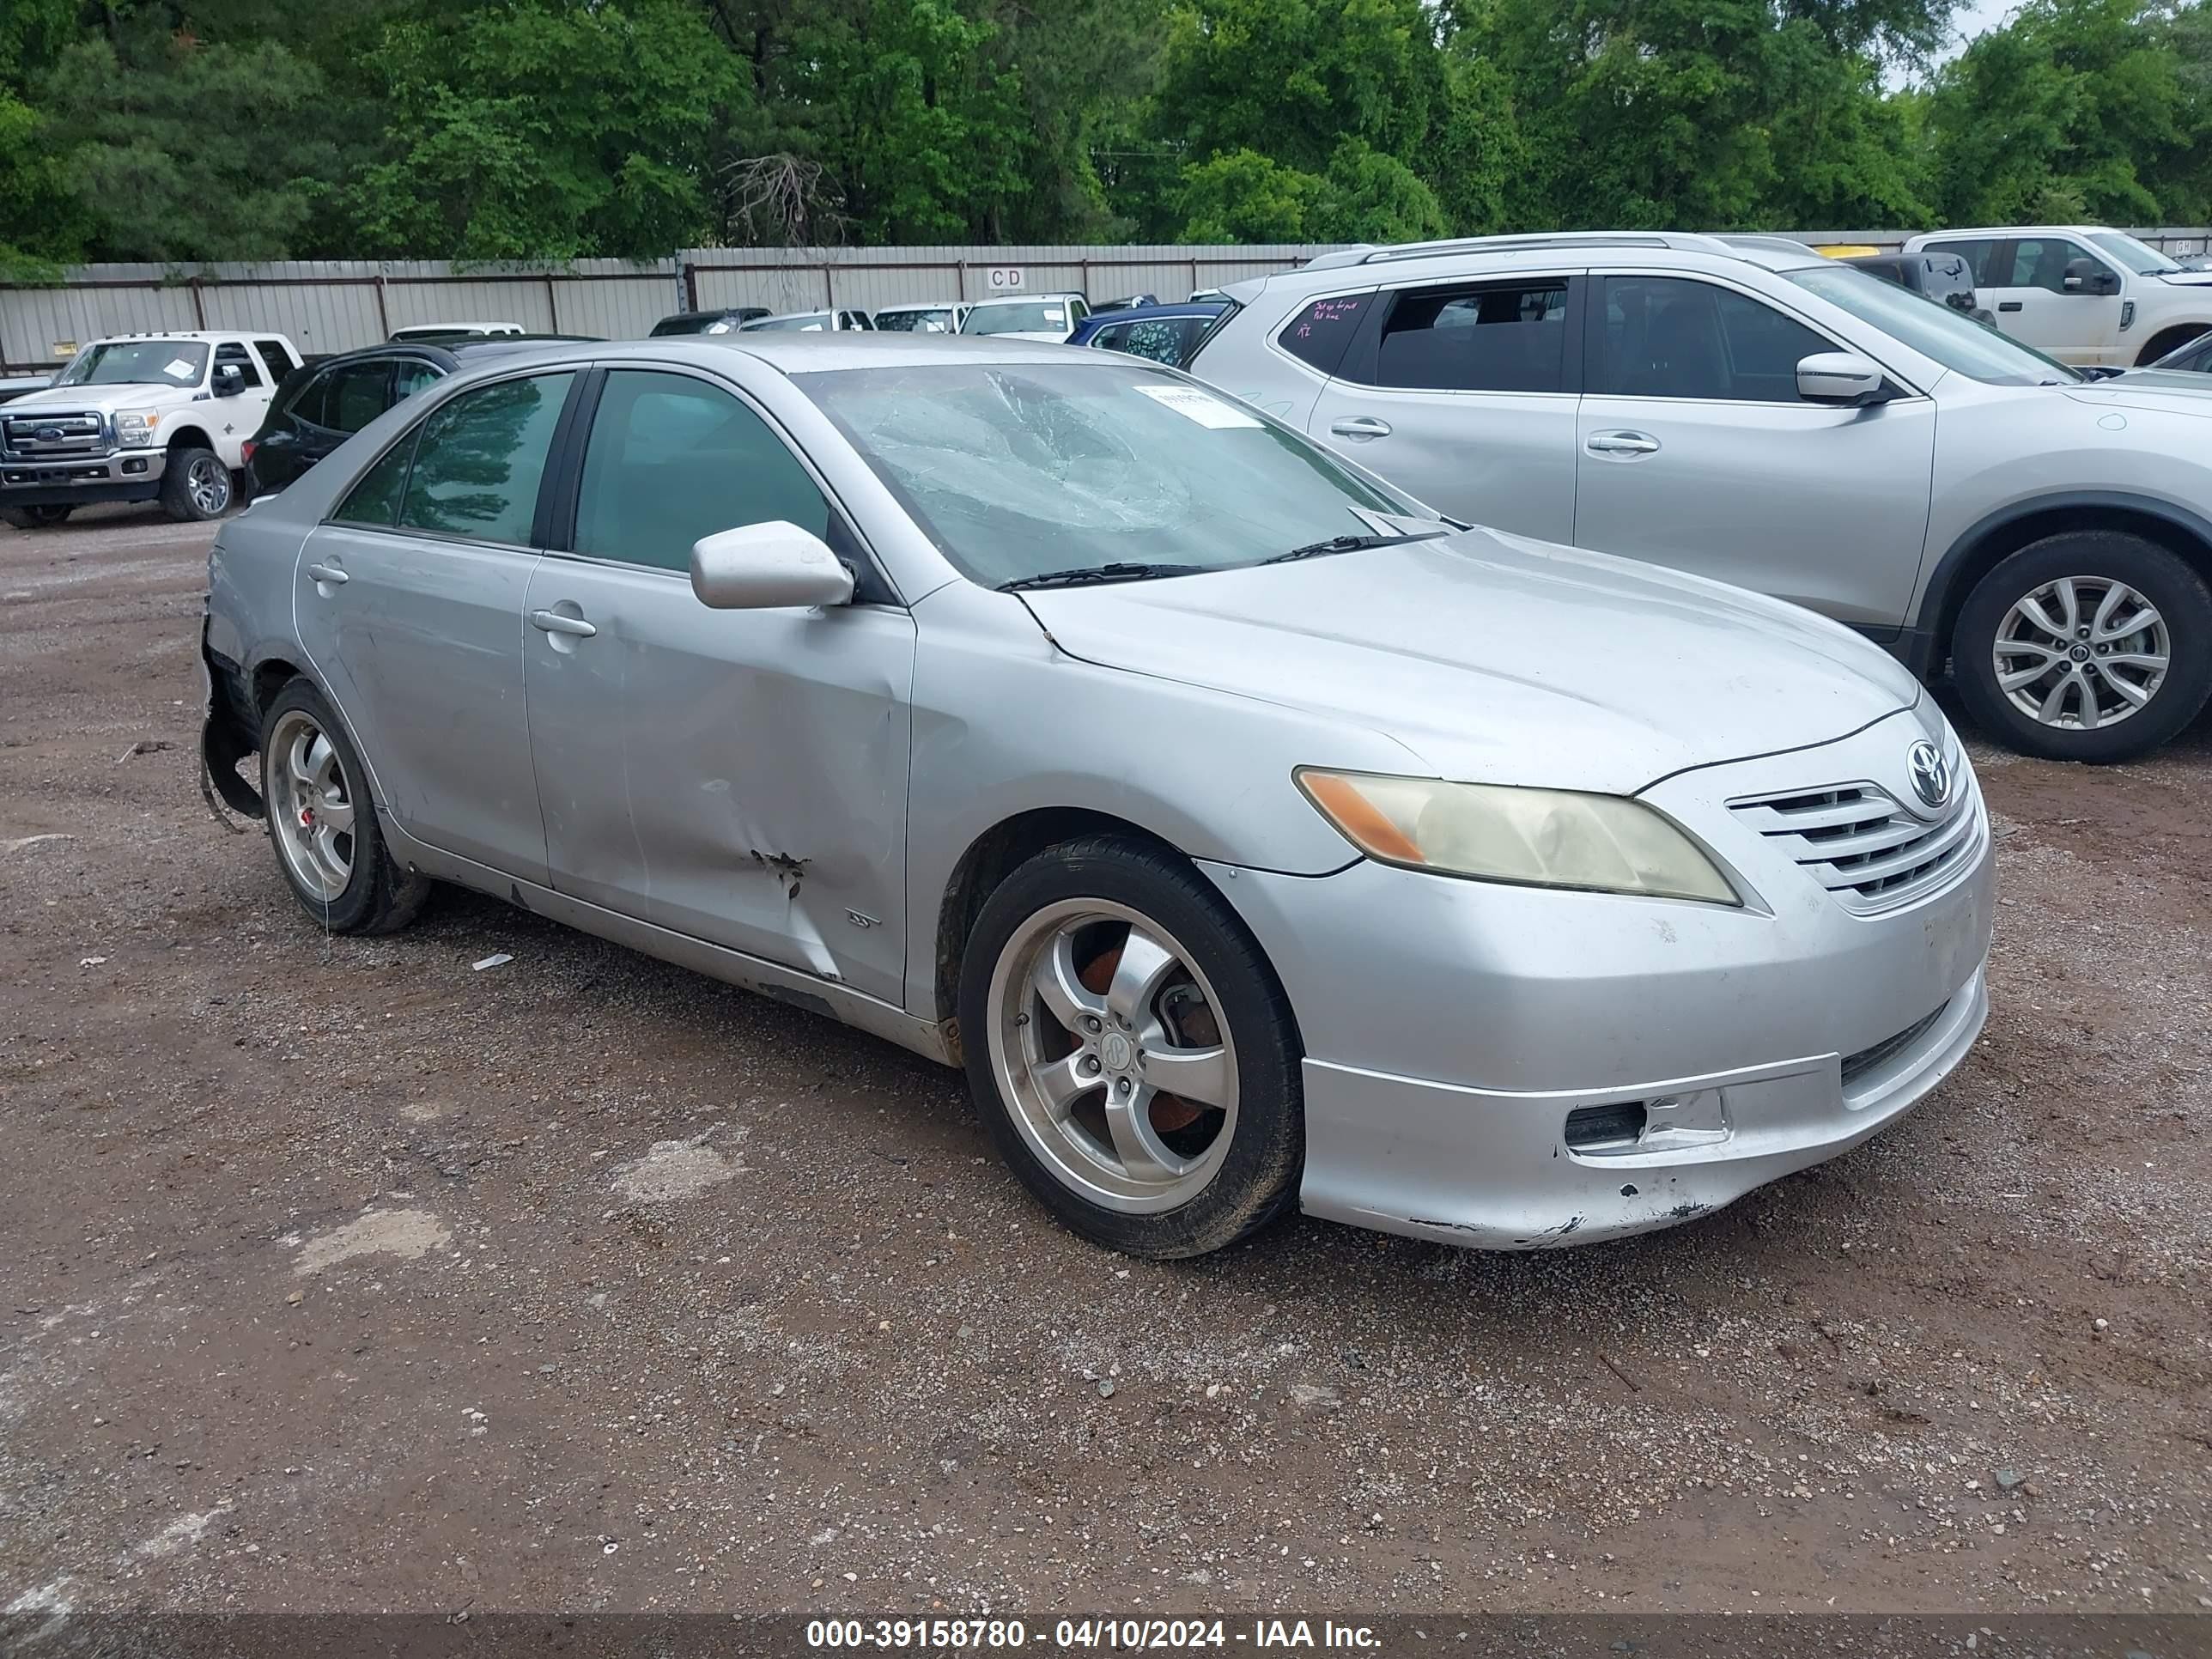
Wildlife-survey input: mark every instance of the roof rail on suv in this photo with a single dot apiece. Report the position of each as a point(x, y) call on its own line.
point(1368, 254)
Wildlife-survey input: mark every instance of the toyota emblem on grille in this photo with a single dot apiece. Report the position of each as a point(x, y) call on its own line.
point(1931, 778)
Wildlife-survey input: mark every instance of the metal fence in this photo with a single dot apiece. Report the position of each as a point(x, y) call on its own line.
point(335, 305)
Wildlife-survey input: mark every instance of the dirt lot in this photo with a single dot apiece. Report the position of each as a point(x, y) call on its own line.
point(340, 1276)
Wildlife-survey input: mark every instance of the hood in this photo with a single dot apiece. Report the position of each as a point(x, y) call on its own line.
point(2187, 276)
point(1499, 659)
point(2168, 392)
point(106, 399)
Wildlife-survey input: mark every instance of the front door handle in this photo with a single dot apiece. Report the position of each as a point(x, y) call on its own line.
point(1360, 427)
point(332, 573)
point(552, 621)
point(1621, 443)
point(2007, 305)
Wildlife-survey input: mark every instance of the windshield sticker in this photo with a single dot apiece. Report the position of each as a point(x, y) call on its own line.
point(1190, 403)
point(180, 368)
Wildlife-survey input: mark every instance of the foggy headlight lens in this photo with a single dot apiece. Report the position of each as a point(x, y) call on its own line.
point(135, 428)
point(1536, 837)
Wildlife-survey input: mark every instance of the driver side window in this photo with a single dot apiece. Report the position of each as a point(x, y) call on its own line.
point(672, 459)
point(1672, 337)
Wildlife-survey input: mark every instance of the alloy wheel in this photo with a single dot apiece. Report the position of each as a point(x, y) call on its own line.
point(2081, 652)
point(207, 483)
point(1107, 1043)
point(310, 806)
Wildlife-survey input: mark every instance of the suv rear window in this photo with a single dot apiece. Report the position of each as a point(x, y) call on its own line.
point(1319, 334)
point(1505, 338)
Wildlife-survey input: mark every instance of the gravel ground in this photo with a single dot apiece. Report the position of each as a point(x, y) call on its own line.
point(339, 1275)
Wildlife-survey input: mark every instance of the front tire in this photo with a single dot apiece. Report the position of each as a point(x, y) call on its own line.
point(1131, 1051)
point(43, 517)
point(314, 794)
point(2091, 645)
point(195, 486)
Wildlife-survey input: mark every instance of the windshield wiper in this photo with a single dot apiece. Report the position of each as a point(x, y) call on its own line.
point(1350, 544)
point(1082, 575)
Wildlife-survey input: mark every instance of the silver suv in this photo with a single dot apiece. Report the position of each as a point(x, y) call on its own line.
point(1746, 409)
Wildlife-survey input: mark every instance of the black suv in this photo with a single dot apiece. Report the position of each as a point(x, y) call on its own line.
point(727, 320)
point(320, 406)
point(1946, 278)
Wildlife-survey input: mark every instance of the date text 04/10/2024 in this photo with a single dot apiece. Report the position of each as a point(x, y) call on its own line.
point(1111, 1635)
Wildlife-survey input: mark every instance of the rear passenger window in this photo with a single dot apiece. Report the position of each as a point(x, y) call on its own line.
point(355, 396)
point(1669, 337)
point(672, 459)
point(479, 460)
point(375, 499)
point(1506, 338)
point(1319, 334)
point(307, 406)
point(281, 362)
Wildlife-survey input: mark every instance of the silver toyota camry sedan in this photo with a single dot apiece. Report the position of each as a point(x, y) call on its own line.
point(1252, 836)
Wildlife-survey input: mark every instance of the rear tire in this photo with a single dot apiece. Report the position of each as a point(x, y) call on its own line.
point(195, 486)
point(330, 847)
point(38, 518)
point(2119, 630)
point(1131, 1051)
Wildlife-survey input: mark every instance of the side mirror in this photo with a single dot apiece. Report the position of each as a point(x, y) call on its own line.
point(2087, 277)
point(1839, 377)
point(229, 380)
point(767, 567)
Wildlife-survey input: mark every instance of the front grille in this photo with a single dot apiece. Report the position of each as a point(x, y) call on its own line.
point(1857, 841)
point(41, 435)
point(1858, 1065)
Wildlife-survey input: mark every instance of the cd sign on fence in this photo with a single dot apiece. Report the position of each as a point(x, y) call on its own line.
point(1005, 279)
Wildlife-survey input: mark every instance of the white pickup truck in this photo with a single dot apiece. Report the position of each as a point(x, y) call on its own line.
point(2087, 294)
point(140, 418)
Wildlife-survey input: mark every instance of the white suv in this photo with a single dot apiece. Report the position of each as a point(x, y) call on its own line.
point(1746, 409)
point(2085, 293)
point(140, 418)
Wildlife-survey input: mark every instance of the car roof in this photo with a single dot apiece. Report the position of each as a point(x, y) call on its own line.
point(2014, 230)
point(923, 305)
point(793, 316)
point(1481, 255)
point(1028, 299)
point(1171, 308)
point(799, 353)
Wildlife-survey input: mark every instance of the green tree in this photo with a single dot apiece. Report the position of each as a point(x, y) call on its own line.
point(1292, 79)
point(188, 149)
point(2075, 108)
point(542, 129)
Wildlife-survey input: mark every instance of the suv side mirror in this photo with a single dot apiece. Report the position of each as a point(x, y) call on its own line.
point(2087, 277)
point(766, 566)
point(1839, 377)
point(229, 380)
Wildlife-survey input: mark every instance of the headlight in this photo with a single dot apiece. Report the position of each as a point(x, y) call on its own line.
point(134, 428)
point(1534, 837)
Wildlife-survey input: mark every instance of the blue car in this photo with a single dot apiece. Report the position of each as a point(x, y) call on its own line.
point(1166, 334)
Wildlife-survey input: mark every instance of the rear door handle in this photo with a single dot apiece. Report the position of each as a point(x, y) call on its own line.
point(552, 621)
point(332, 573)
point(1620, 443)
point(2007, 305)
point(1362, 427)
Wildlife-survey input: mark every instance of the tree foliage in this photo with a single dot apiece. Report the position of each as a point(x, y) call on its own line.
point(192, 130)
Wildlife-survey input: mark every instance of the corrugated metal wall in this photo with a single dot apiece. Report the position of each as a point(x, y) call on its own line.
point(335, 305)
